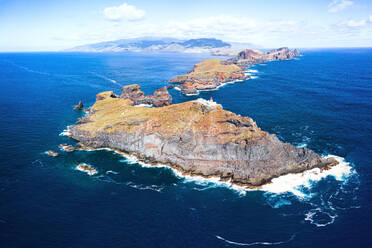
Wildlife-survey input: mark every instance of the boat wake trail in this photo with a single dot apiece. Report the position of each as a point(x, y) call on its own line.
point(106, 78)
point(257, 243)
point(27, 69)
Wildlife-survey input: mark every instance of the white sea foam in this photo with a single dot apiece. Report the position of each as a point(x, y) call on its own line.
point(293, 182)
point(65, 132)
point(301, 145)
point(146, 187)
point(256, 243)
point(290, 183)
point(211, 182)
point(144, 105)
point(324, 218)
point(112, 172)
point(193, 94)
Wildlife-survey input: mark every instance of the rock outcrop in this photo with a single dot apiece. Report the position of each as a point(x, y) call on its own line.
point(68, 148)
point(249, 56)
point(196, 137)
point(87, 169)
point(52, 153)
point(79, 106)
point(209, 75)
point(212, 73)
point(161, 97)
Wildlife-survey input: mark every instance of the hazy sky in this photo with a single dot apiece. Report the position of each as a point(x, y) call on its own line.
point(34, 25)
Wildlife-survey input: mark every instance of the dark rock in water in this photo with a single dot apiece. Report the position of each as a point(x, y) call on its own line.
point(79, 106)
point(197, 138)
point(68, 148)
point(52, 153)
point(296, 53)
point(160, 98)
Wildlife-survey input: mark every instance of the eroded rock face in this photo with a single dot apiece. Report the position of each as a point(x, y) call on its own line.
point(161, 97)
point(195, 137)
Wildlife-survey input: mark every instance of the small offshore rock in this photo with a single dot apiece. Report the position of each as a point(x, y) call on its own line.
point(79, 106)
point(68, 148)
point(52, 153)
point(87, 169)
point(160, 98)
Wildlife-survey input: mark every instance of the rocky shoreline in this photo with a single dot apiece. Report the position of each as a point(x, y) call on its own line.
point(197, 138)
point(212, 73)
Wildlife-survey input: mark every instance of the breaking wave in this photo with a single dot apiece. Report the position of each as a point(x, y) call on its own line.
point(283, 192)
point(294, 182)
point(257, 243)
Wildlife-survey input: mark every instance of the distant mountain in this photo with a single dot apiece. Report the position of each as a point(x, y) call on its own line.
point(152, 44)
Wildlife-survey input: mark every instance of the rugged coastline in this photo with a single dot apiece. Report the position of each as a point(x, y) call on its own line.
point(210, 74)
point(197, 138)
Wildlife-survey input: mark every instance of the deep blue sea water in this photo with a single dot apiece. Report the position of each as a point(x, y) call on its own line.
point(322, 100)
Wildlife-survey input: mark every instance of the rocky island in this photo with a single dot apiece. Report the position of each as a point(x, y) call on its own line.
point(209, 75)
point(196, 137)
point(213, 73)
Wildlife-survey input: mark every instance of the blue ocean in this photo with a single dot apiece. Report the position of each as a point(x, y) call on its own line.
point(321, 100)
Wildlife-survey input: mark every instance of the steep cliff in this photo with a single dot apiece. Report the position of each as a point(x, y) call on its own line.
point(195, 137)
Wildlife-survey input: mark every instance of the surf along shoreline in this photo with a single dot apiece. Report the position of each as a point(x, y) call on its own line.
point(288, 183)
point(213, 177)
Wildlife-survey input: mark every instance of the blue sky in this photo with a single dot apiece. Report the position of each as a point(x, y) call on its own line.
point(47, 25)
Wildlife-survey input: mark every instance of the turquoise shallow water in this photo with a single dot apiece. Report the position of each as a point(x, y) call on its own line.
point(321, 100)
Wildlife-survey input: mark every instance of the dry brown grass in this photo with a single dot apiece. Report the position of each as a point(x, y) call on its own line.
point(116, 114)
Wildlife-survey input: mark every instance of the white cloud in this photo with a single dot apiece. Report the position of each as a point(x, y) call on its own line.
point(355, 23)
point(239, 29)
point(124, 12)
point(266, 33)
point(370, 19)
point(338, 5)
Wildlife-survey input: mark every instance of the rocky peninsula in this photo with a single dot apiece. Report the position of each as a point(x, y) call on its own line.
point(209, 75)
point(196, 137)
point(213, 73)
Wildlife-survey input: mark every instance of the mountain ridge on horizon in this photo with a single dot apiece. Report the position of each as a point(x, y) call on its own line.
point(163, 44)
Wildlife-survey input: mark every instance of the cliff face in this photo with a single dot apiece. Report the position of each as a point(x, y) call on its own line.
point(250, 56)
point(160, 98)
point(195, 137)
point(208, 75)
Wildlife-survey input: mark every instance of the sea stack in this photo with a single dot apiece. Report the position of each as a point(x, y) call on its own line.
point(161, 97)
